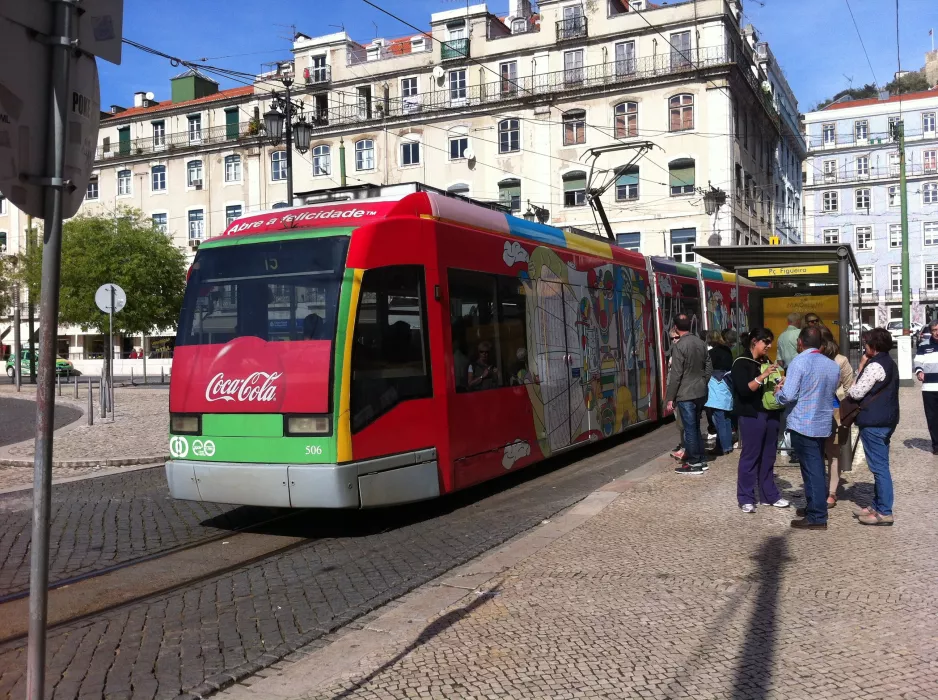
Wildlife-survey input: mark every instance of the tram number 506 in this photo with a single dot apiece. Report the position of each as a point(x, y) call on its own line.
point(313, 450)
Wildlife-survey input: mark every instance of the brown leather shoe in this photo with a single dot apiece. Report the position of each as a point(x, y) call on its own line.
point(803, 524)
point(860, 512)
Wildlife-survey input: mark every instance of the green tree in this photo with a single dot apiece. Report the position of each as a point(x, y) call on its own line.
point(7, 275)
point(911, 82)
point(867, 91)
point(125, 249)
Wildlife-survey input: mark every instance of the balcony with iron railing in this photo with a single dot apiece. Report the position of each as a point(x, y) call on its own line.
point(872, 175)
point(180, 141)
point(894, 295)
point(543, 86)
point(317, 75)
point(359, 55)
point(454, 49)
point(871, 297)
point(848, 138)
point(928, 294)
point(572, 28)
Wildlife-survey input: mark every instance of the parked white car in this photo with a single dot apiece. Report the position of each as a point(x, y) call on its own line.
point(895, 329)
point(855, 333)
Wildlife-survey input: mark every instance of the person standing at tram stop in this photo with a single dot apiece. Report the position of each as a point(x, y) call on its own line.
point(687, 391)
point(678, 452)
point(719, 397)
point(877, 390)
point(811, 384)
point(840, 433)
point(926, 371)
point(788, 340)
point(754, 378)
point(483, 374)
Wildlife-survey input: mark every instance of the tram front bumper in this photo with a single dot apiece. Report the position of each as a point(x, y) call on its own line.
point(353, 485)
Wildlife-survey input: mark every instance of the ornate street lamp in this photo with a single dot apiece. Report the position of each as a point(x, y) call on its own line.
point(279, 122)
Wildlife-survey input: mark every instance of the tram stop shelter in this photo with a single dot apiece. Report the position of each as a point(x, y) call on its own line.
point(819, 278)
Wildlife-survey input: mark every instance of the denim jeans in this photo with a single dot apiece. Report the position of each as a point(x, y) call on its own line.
point(810, 452)
point(721, 420)
point(876, 447)
point(690, 417)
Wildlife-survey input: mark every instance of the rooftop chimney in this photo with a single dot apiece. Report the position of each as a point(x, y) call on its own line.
point(140, 99)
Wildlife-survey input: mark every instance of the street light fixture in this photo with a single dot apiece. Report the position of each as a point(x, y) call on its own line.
point(279, 123)
point(536, 213)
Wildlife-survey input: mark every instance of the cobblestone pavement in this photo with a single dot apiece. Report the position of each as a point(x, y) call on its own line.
point(109, 520)
point(140, 430)
point(672, 592)
point(194, 639)
point(18, 419)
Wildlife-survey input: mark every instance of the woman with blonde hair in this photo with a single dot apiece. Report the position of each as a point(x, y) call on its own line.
point(840, 434)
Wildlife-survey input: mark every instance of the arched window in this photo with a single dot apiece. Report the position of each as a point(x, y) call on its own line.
point(574, 127)
point(627, 183)
point(322, 160)
point(158, 178)
point(233, 168)
point(194, 173)
point(278, 165)
point(626, 119)
point(365, 154)
point(509, 193)
point(682, 176)
point(509, 135)
point(123, 182)
point(682, 112)
point(574, 189)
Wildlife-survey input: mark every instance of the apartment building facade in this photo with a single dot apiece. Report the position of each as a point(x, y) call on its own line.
point(853, 194)
point(496, 107)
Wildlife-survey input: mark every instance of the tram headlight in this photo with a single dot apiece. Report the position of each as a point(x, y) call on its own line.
point(308, 425)
point(185, 425)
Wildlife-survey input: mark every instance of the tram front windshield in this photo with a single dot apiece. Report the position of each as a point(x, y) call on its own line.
point(278, 291)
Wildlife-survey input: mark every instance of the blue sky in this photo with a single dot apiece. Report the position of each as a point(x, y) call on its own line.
point(814, 40)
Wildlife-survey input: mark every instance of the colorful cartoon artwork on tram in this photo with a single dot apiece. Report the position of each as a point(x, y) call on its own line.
point(721, 306)
point(589, 339)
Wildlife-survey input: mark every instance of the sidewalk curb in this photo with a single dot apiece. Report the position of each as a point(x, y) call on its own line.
point(110, 462)
point(346, 653)
point(94, 475)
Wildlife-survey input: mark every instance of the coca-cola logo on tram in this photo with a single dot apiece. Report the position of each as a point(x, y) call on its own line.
point(258, 386)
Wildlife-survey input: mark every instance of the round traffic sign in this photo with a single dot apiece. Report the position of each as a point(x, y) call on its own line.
point(103, 297)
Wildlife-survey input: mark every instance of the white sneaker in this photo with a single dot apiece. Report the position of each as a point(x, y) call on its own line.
point(781, 503)
point(748, 507)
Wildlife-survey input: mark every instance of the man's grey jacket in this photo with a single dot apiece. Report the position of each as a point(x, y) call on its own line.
point(690, 369)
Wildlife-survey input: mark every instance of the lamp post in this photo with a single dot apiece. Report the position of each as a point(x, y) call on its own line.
point(536, 213)
point(714, 198)
point(279, 121)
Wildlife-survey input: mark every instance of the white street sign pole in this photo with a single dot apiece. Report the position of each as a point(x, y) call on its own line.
point(60, 61)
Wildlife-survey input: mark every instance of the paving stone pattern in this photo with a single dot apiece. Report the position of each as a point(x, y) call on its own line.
point(206, 635)
point(672, 592)
point(96, 523)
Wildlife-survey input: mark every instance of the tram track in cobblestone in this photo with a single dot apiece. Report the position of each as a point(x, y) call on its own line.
point(214, 629)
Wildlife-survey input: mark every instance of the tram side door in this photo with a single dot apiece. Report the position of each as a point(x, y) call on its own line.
point(554, 364)
point(583, 358)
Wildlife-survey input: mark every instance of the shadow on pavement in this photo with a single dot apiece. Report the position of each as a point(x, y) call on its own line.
point(753, 674)
point(917, 444)
point(436, 627)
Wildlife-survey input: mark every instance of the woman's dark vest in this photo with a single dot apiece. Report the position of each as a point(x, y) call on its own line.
point(880, 407)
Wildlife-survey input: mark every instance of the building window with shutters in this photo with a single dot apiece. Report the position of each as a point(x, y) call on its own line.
point(574, 189)
point(509, 136)
point(627, 183)
point(232, 127)
point(682, 244)
point(158, 178)
point(196, 224)
point(160, 222)
point(681, 109)
point(123, 141)
point(509, 193)
point(322, 161)
point(232, 212)
point(574, 127)
point(233, 168)
point(626, 119)
point(124, 187)
point(682, 176)
point(630, 241)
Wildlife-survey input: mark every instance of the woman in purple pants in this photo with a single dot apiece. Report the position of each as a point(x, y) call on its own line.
point(758, 426)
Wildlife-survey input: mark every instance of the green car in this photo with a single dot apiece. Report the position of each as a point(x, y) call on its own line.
point(63, 367)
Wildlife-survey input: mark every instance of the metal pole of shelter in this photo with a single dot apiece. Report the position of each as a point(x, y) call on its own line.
point(738, 325)
point(57, 131)
point(843, 293)
point(31, 306)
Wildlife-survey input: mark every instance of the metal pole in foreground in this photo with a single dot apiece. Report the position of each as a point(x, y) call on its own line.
point(17, 340)
point(90, 401)
point(288, 127)
point(110, 355)
point(49, 312)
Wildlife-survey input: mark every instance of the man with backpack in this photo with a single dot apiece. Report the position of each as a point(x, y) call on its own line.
point(687, 391)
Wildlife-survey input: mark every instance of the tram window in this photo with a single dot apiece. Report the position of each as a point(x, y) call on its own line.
point(390, 355)
point(487, 315)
